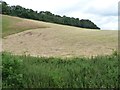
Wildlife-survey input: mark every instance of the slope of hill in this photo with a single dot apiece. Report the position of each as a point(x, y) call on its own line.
point(47, 39)
point(13, 25)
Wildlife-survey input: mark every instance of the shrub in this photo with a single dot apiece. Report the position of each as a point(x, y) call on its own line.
point(11, 71)
point(53, 72)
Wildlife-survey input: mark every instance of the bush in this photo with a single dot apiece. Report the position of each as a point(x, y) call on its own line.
point(11, 71)
point(53, 72)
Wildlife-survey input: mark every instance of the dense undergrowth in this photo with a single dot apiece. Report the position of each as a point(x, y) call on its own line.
point(53, 72)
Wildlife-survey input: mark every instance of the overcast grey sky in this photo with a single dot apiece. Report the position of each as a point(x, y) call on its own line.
point(104, 13)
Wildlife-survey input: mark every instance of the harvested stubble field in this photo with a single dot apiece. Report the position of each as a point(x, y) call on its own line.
point(47, 39)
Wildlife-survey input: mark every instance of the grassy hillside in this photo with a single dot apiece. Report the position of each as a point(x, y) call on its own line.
point(11, 25)
point(23, 36)
point(47, 39)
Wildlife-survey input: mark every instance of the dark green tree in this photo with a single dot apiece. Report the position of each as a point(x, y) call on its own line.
point(46, 16)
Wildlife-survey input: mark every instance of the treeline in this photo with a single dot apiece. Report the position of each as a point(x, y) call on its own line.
point(45, 16)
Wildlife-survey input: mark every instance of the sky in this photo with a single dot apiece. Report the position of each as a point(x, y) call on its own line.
point(104, 13)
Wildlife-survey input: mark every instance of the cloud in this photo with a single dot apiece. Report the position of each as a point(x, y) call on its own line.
point(108, 23)
point(103, 8)
point(104, 13)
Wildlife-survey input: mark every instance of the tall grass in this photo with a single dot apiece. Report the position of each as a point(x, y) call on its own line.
point(53, 72)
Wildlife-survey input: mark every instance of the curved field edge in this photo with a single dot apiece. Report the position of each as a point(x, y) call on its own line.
point(77, 72)
point(12, 25)
point(55, 40)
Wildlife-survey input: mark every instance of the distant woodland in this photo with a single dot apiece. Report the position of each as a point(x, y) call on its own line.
point(46, 16)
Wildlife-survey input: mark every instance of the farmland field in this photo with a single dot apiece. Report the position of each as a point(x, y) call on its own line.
point(47, 39)
point(38, 54)
point(13, 25)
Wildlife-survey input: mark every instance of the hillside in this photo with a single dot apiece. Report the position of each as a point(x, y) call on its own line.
point(40, 49)
point(47, 39)
point(13, 25)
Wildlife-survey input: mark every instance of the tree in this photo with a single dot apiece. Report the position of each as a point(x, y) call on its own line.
point(46, 16)
point(5, 8)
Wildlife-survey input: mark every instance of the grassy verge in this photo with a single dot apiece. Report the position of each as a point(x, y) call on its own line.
point(40, 72)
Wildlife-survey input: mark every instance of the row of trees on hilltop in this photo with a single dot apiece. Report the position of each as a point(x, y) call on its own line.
point(45, 16)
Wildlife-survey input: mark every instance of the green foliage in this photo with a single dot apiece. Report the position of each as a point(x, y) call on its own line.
point(11, 71)
point(53, 72)
point(46, 16)
point(115, 53)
